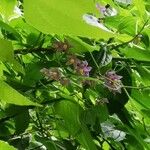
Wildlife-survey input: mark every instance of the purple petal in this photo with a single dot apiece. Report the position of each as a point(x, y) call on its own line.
point(84, 63)
point(87, 69)
point(102, 9)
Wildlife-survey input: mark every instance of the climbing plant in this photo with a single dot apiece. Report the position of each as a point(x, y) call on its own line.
point(74, 75)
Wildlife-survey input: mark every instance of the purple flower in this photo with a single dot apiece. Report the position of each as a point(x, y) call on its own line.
point(73, 60)
point(83, 68)
point(61, 46)
point(106, 10)
point(113, 81)
point(102, 9)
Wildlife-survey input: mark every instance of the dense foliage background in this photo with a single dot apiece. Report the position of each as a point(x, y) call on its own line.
point(75, 74)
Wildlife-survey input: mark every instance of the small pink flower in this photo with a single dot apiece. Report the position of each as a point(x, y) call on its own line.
point(101, 8)
point(83, 68)
point(113, 81)
point(106, 10)
point(73, 60)
point(61, 46)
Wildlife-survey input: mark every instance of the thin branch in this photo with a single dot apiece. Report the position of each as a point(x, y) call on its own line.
point(130, 60)
point(37, 147)
point(33, 50)
point(144, 126)
point(40, 124)
point(134, 87)
point(122, 44)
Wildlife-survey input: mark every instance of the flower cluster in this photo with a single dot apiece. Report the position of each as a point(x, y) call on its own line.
point(106, 10)
point(54, 74)
point(81, 67)
point(61, 46)
point(113, 81)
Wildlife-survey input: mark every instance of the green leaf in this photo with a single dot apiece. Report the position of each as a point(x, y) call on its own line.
point(70, 111)
point(123, 24)
point(22, 121)
point(142, 97)
point(10, 30)
point(145, 74)
point(6, 51)
point(72, 121)
point(6, 146)
point(79, 46)
point(7, 8)
point(50, 145)
point(138, 138)
point(97, 113)
point(140, 7)
point(136, 53)
point(63, 17)
point(32, 73)
point(11, 96)
point(7, 54)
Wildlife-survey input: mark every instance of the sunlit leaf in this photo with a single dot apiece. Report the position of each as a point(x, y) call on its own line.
point(6, 146)
point(136, 53)
point(7, 8)
point(6, 50)
point(71, 112)
point(11, 96)
point(63, 17)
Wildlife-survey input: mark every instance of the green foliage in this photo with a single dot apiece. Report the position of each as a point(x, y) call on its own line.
point(7, 8)
point(6, 55)
point(11, 96)
point(67, 14)
point(6, 146)
point(74, 75)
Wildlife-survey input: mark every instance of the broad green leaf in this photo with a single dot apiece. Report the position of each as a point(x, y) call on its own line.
point(145, 75)
point(50, 145)
point(71, 112)
point(138, 138)
point(140, 7)
point(6, 51)
point(142, 97)
point(7, 54)
point(123, 24)
point(63, 17)
point(10, 30)
point(7, 8)
point(11, 96)
point(97, 113)
point(32, 73)
point(22, 121)
point(2, 67)
point(18, 67)
point(6, 146)
point(136, 53)
point(79, 46)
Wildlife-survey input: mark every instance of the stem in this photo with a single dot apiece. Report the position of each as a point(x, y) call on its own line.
point(133, 87)
point(130, 60)
point(122, 44)
point(33, 50)
point(40, 124)
point(37, 147)
point(145, 127)
point(109, 144)
point(94, 60)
